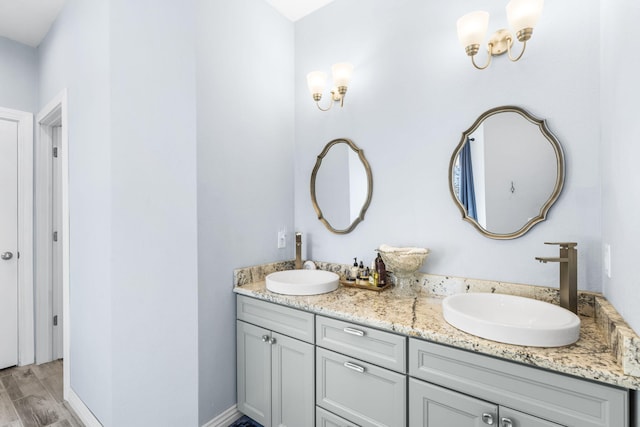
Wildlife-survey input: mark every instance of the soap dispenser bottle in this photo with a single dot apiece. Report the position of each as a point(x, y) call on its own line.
point(353, 272)
point(373, 274)
point(381, 270)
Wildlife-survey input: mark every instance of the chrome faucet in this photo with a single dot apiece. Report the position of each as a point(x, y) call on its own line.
point(568, 274)
point(298, 265)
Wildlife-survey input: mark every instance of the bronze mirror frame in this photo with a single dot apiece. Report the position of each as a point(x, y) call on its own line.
point(367, 202)
point(559, 183)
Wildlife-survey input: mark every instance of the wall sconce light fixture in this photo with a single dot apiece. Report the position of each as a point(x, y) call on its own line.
point(522, 16)
point(341, 77)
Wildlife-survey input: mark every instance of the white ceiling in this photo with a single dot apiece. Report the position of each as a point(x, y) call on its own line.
point(296, 9)
point(28, 21)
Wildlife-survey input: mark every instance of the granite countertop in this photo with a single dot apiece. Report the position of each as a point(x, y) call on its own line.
point(594, 356)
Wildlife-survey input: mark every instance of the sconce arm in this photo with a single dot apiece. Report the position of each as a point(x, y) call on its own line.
point(324, 109)
point(473, 61)
point(524, 46)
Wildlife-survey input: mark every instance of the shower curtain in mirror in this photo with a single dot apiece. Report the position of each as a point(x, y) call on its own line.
point(467, 192)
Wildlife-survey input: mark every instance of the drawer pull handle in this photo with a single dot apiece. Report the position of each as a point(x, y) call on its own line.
point(354, 367)
point(506, 422)
point(356, 332)
point(487, 418)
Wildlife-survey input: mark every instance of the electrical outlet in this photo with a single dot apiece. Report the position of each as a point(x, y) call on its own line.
point(282, 238)
point(607, 260)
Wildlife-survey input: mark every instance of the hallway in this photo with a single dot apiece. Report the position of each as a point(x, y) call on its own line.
point(31, 396)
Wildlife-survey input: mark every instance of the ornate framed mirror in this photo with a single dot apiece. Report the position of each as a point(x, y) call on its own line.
point(506, 172)
point(341, 186)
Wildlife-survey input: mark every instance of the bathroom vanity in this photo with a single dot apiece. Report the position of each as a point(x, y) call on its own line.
point(359, 358)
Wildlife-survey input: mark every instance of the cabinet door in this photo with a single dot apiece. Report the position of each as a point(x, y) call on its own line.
point(254, 372)
point(433, 406)
point(292, 386)
point(512, 418)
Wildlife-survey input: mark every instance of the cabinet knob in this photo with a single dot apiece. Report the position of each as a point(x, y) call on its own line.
point(265, 338)
point(487, 418)
point(272, 341)
point(506, 422)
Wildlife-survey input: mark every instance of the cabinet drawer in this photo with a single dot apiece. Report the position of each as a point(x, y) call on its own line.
point(287, 321)
point(360, 392)
point(327, 419)
point(380, 348)
point(555, 397)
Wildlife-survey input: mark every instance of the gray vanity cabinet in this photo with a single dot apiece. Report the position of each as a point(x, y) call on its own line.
point(275, 372)
point(434, 406)
point(352, 376)
point(523, 396)
point(327, 419)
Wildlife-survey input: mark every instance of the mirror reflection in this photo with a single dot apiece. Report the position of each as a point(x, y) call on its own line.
point(341, 186)
point(506, 172)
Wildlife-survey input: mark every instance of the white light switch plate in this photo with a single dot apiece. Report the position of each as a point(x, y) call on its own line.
point(607, 260)
point(282, 238)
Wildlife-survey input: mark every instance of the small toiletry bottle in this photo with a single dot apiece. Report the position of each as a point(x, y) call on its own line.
point(360, 272)
point(365, 276)
point(354, 271)
point(382, 271)
point(373, 274)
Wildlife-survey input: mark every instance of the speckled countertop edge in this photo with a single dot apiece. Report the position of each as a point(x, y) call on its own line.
point(607, 347)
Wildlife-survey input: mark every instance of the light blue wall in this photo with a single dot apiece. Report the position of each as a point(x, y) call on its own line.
point(75, 55)
point(132, 135)
point(158, 91)
point(18, 76)
point(245, 169)
point(154, 296)
point(414, 92)
point(620, 154)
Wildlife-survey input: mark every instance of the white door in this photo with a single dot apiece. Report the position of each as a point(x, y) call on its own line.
point(8, 243)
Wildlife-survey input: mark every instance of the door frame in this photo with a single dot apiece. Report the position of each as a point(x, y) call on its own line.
point(25, 233)
point(54, 114)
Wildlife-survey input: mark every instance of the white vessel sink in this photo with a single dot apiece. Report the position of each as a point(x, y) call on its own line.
point(512, 319)
point(302, 282)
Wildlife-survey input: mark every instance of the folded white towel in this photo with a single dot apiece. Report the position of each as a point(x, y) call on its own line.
point(387, 248)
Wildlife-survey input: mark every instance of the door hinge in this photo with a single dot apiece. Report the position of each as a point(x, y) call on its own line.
point(55, 320)
point(55, 236)
point(55, 151)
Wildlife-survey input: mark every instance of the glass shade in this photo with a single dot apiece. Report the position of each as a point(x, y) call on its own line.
point(472, 28)
point(316, 81)
point(341, 74)
point(523, 14)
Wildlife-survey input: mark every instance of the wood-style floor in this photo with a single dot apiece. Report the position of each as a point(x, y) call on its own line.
point(31, 396)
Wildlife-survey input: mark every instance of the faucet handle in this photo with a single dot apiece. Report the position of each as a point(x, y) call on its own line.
point(564, 245)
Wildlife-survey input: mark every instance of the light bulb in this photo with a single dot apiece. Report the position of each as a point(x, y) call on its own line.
point(342, 74)
point(472, 28)
point(523, 14)
point(316, 81)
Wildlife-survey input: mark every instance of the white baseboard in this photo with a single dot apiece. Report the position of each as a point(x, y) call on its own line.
point(226, 418)
point(86, 416)
point(81, 410)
